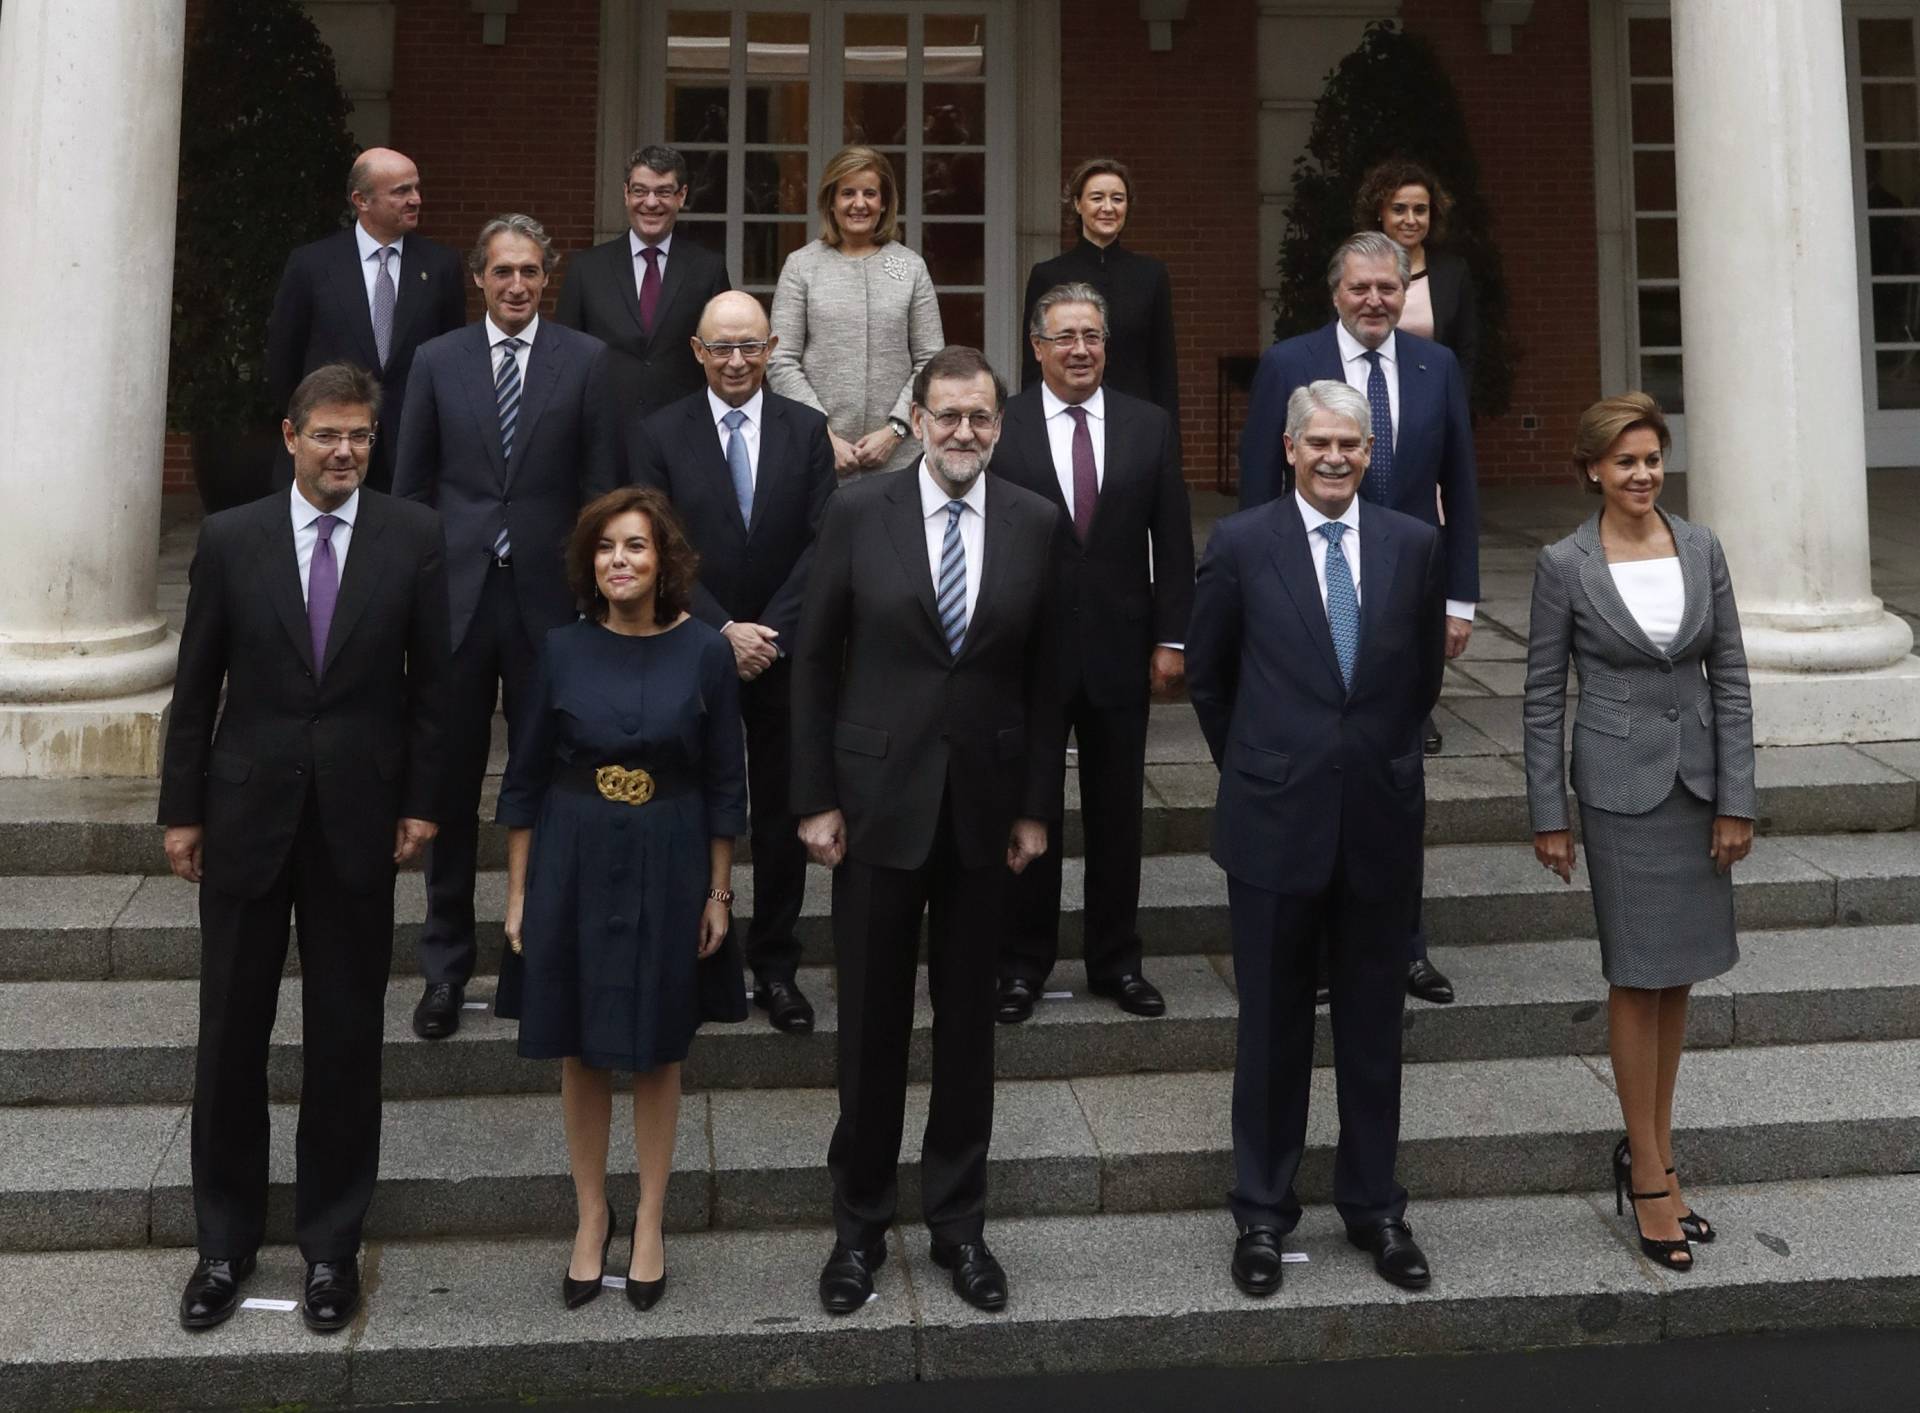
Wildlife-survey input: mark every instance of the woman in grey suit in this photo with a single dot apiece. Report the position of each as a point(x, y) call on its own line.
point(1641, 602)
point(855, 318)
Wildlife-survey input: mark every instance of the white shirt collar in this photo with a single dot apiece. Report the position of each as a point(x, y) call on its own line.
point(496, 335)
point(305, 512)
point(636, 245)
point(368, 244)
point(1313, 519)
point(751, 407)
point(933, 499)
point(1052, 406)
point(1351, 348)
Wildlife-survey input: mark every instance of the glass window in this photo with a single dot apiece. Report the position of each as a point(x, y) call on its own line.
point(1887, 101)
point(1656, 251)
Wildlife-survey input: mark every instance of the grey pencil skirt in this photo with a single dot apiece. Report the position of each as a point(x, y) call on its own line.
point(1665, 914)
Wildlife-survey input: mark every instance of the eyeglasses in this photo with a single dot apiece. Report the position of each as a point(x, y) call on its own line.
point(724, 351)
point(658, 193)
point(359, 439)
point(1092, 338)
point(950, 421)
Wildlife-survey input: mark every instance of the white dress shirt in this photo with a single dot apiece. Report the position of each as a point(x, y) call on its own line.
point(497, 336)
point(973, 530)
point(636, 245)
point(370, 267)
point(305, 516)
point(1060, 430)
point(1317, 542)
point(749, 429)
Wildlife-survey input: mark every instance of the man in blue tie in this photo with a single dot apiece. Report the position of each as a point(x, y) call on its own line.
point(1315, 650)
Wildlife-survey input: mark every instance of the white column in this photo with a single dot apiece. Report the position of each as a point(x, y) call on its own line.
point(1771, 326)
point(90, 105)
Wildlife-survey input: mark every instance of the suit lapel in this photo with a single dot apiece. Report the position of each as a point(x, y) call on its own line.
point(626, 281)
point(710, 459)
point(1696, 574)
point(546, 357)
point(1295, 562)
point(350, 294)
point(671, 284)
point(410, 290)
point(773, 448)
point(906, 527)
point(1326, 356)
point(357, 580)
point(476, 382)
point(280, 571)
point(993, 557)
point(1379, 564)
point(1597, 579)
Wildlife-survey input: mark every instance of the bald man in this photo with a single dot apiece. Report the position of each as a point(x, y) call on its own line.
point(369, 295)
point(749, 472)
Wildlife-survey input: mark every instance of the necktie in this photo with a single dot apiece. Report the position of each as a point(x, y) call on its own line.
point(951, 597)
point(1378, 487)
point(1343, 604)
point(1086, 481)
point(739, 463)
point(649, 288)
point(323, 589)
point(506, 393)
point(383, 300)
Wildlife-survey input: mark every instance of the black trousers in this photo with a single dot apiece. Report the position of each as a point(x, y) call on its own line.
point(1113, 753)
point(779, 858)
point(346, 945)
point(876, 930)
point(1275, 937)
point(494, 663)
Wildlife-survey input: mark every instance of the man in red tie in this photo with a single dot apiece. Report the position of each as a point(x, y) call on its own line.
point(1112, 462)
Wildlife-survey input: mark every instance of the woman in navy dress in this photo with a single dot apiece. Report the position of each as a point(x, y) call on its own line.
point(624, 791)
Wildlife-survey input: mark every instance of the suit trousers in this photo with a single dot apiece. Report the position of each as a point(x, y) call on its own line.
point(346, 947)
point(779, 858)
point(1112, 745)
point(1274, 940)
point(876, 931)
point(495, 663)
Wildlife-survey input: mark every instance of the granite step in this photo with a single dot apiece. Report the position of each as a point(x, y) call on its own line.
point(131, 1042)
point(479, 1319)
point(97, 1176)
point(126, 927)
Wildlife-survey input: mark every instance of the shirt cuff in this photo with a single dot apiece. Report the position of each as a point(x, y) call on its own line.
point(1177, 647)
point(1460, 608)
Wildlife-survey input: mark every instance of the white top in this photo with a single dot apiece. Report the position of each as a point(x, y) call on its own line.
point(1417, 316)
point(636, 245)
point(1060, 437)
point(369, 267)
point(306, 516)
point(1317, 542)
point(1655, 595)
point(973, 530)
point(749, 429)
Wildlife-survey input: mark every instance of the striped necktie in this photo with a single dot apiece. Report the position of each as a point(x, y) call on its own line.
point(951, 594)
point(506, 393)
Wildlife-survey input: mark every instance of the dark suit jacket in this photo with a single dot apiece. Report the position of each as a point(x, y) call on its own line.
point(886, 722)
point(563, 456)
point(1456, 310)
point(320, 315)
point(753, 573)
point(1114, 610)
point(601, 297)
point(1310, 772)
point(1433, 446)
point(366, 736)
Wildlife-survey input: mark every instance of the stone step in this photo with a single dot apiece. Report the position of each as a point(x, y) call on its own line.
point(90, 927)
point(481, 1319)
point(85, 1177)
point(1476, 794)
point(132, 1042)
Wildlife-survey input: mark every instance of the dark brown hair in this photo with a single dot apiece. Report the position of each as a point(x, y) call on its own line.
point(1383, 179)
point(333, 383)
point(1097, 167)
point(960, 362)
point(677, 561)
point(1608, 420)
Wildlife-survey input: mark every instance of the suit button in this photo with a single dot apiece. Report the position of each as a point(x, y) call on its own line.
point(1673, 713)
point(313, 721)
point(299, 770)
point(507, 501)
point(614, 924)
point(1666, 667)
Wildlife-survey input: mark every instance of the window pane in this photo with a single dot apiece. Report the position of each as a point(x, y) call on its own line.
point(1898, 380)
point(1653, 181)
point(1893, 245)
point(956, 254)
point(1886, 48)
point(707, 182)
point(1896, 313)
point(777, 184)
point(1660, 318)
point(765, 246)
point(698, 55)
point(777, 112)
point(963, 318)
point(1652, 112)
point(876, 46)
point(1660, 380)
point(1887, 112)
point(956, 46)
point(1893, 179)
point(777, 44)
point(955, 114)
point(876, 112)
point(1657, 248)
point(711, 234)
point(1649, 48)
point(696, 113)
point(956, 184)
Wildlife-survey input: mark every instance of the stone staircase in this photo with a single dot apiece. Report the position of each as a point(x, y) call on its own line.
point(1799, 1132)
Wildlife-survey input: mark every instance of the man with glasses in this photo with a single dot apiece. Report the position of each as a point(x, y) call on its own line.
point(749, 472)
point(926, 748)
point(642, 295)
point(1112, 464)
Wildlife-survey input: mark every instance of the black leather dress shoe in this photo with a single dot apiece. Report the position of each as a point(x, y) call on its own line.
point(1137, 996)
point(213, 1291)
point(846, 1281)
point(1016, 1000)
point(1256, 1261)
point(786, 1007)
point(333, 1295)
point(977, 1277)
point(1430, 743)
point(1425, 981)
point(1396, 1256)
point(438, 1014)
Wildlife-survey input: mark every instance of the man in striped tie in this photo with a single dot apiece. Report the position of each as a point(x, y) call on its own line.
point(508, 431)
point(926, 741)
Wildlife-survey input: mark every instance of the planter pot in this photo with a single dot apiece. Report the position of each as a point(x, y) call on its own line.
point(231, 468)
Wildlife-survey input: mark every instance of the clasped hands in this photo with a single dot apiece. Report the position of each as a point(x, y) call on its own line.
point(825, 835)
point(1732, 841)
point(870, 453)
point(754, 650)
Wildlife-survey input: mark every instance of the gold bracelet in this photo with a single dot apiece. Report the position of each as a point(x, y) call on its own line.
point(721, 895)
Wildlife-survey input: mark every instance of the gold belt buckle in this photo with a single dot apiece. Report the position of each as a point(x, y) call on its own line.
point(623, 786)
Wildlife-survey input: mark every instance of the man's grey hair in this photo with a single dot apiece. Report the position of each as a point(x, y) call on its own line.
point(1328, 395)
point(1073, 292)
point(513, 224)
point(1369, 245)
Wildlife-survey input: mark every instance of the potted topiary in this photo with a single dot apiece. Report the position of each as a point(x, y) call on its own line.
point(264, 152)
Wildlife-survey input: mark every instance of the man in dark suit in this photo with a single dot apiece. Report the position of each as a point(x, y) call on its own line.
point(1112, 464)
point(508, 433)
point(749, 473)
point(1423, 439)
point(326, 621)
point(926, 747)
point(371, 295)
point(642, 294)
point(1316, 647)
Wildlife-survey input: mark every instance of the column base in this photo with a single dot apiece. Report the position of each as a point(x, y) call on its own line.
point(1825, 708)
point(116, 736)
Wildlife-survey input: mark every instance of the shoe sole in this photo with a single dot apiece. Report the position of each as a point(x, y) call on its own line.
point(319, 1326)
point(1257, 1292)
point(211, 1321)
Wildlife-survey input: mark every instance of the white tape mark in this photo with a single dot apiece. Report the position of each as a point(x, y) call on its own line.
point(1056, 995)
point(1293, 1258)
point(473, 1006)
point(254, 1302)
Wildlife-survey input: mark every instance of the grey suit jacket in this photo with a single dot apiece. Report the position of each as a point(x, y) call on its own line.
point(1645, 717)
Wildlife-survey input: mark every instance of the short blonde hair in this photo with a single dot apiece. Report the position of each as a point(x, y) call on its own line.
point(1608, 420)
point(847, 162)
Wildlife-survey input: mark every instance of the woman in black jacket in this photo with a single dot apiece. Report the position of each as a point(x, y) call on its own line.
point(1407, 202)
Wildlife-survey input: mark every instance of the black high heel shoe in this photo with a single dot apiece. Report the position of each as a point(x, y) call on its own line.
point(1673, 1255)
point(578, 1293)
point(644, 1295)
point(1697, 1227)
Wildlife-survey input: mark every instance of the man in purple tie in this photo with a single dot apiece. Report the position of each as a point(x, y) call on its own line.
point(323, 613)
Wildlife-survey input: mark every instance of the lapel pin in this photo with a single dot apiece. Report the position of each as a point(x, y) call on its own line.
point(423, 274)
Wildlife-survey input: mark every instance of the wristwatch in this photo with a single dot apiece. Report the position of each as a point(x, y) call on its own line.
point(900, 428)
